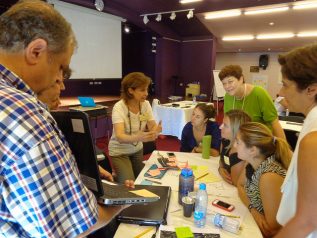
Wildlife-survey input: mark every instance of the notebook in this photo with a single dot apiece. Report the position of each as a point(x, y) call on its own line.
point(151, 214)
point(87, 101)
point(75, 127)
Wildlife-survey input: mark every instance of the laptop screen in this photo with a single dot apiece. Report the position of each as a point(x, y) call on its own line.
point(75, 127)
point(87, 101)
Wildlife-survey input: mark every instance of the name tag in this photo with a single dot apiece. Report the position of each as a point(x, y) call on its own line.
point(227, 160)
point(144, 117)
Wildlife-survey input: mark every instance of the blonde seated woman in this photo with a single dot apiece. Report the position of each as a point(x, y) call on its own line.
point(267, 158)
point(230, 166)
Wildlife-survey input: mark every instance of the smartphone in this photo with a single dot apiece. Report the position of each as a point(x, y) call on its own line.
point(170, 154)
point(223, 205)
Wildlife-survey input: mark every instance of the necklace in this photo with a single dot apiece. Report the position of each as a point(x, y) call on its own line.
point(244, 94)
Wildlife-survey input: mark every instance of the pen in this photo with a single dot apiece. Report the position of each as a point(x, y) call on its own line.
point(153, 181)
point(204, 175)
point(294, 123)
point(144, 232)
point(232, 216)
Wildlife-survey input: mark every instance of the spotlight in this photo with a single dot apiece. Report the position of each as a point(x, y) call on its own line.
point(126, 29)
point(173, 16)
point(190, 14)
point(145, 19)
point(159, 17)
point(99, 5)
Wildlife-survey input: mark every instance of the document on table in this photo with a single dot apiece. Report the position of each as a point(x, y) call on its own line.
point(169, 231)
point(203, 175)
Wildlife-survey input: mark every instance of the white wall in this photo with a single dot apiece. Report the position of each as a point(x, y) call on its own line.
point(245, 60)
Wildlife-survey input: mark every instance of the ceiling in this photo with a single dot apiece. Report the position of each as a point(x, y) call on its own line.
point(200, 28)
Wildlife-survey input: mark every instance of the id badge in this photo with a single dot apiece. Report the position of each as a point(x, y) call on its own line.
point(227, 160)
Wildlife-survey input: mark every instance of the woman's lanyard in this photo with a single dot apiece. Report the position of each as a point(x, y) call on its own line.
point(244, 95)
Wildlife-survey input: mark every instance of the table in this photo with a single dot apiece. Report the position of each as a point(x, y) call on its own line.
point(219, 189)
point(173, 118)
point(291, 130)
point(291, 126)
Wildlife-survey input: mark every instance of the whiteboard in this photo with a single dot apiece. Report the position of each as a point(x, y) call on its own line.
point(218, 91)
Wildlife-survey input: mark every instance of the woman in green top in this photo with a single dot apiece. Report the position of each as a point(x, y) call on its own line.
point(252, 99)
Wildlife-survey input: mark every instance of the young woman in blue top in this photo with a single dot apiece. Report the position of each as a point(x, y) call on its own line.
point(199, 126)
point(230, 166)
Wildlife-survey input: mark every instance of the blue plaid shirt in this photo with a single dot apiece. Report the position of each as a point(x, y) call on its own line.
point(41, 193)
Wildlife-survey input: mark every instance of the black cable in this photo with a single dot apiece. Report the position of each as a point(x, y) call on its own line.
point(154, 235)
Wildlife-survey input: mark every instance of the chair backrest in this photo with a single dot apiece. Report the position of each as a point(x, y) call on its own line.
point(149, 147)
point(298, 119)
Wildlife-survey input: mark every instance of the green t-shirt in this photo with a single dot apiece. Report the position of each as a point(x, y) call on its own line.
point(258, 104)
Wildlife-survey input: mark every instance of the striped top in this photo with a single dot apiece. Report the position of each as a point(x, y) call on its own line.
point(252, 185)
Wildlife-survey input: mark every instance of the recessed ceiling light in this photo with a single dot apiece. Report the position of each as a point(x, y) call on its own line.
point(223, 14)
point(307, 34)
point(266, 10)
point(237, 38)
point(269, 49)
point(271, 23)
point(275, 36)
point(304, 5)
point(189, 1)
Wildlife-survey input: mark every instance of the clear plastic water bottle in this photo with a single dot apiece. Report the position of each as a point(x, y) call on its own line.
point(201, 204)
point(229, 224)
point(186, 183)
point(194, 99)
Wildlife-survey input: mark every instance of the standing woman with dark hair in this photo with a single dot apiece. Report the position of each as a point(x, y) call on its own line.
point(267, 158)
point(230, 166)
point(199, 126)
point(298, 208)
point(130, 117)
point(254, 100)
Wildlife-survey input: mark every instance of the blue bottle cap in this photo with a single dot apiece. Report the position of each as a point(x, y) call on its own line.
point(187, 172)
point(202, 186)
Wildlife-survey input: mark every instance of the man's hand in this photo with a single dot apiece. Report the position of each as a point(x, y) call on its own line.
point(105, 174)
point(129, 183)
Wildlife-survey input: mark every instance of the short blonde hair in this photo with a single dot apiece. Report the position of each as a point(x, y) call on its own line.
point(237, 117)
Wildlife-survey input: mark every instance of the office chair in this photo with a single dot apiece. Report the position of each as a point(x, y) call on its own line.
point(149, 147)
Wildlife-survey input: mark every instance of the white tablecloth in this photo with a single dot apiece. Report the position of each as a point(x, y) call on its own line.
point(220, 190)
point(173, 118)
